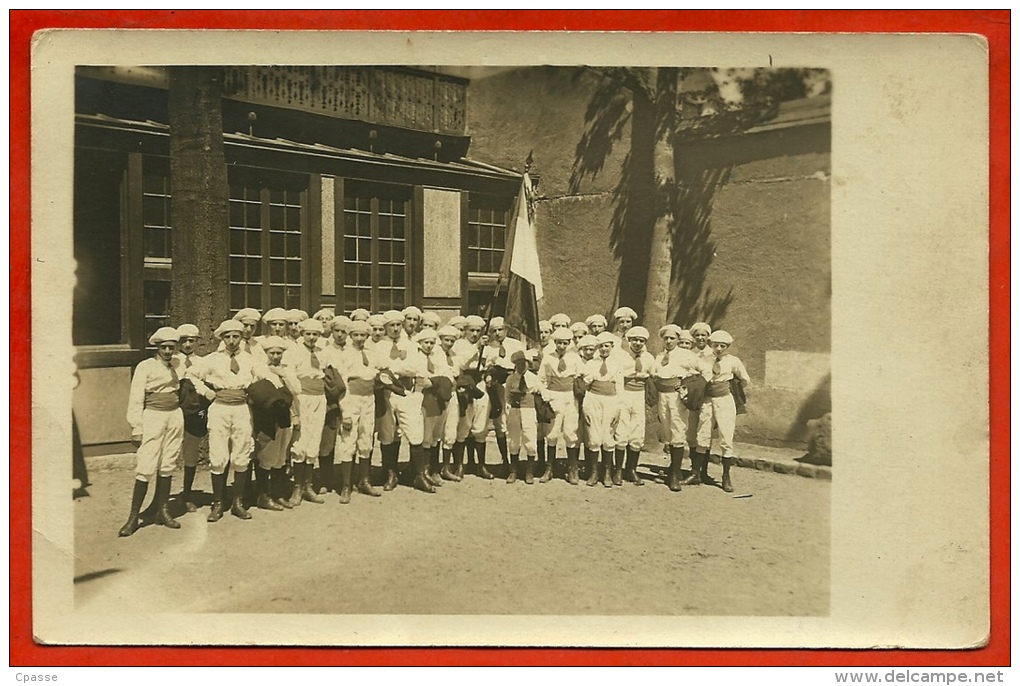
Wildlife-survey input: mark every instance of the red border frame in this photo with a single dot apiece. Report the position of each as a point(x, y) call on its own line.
point(994, 25)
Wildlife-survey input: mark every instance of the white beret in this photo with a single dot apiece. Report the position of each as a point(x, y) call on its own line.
point(606, 337)
point(227, 326)
point(393, 316)
point(377, 320)
point(425, 335)
point(457, 321)
point(562, 334)
point(474, 320)
point(187, 331)
point(270, 342)
point(701, 326)
point(359, 326)
point(637, 332)
point(296, 316)
point(560, 318)
point(360, 314)
point(625, 312)
point(595, 319)
point(685, 335)
point(310, 325)
point(587, 340)
point(411, 311)
point(670, 328)
point(248, 315)
point(545, 324)
point(431, 317)
point(449, 331)
point(496, 323)
point(164, 334)
point(277, 314)
point(720, 337)
point(343, 322)
point(325, 312)
point(579, 327)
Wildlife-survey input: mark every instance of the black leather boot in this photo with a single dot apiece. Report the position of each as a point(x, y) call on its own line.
point(186, 495)
point(591, 461)
point(676, 458)
point(307, 492)
point(727, 485)
point(633, 456)
point(418, 464)
point(504, 451)
point(529, 470)
point(137, 498)
point(447, 473)
point(458, 461)
point(297, 473)
point(263, 488)
point(389, 460)
point(345, 482)
point(219, 487)
point(572, 455)
point(278, 488)
point(511, 477)
point(550, 461)
point(607, 468)
point(364, 478)
point(618, 458)
point(326, 475)
point(697, 466)
point(240, 484)
point(432, 471)
point(480, 453)
point(163, 515)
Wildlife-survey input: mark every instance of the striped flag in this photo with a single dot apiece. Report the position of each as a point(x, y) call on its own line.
point(521, 267)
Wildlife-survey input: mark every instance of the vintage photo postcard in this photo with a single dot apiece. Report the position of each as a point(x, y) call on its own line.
point(497, 339)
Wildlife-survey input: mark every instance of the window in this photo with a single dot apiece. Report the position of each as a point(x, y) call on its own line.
point(265, 247)
point(487, 229)
point(156, 248)
point(100, 182)
point(375, 246)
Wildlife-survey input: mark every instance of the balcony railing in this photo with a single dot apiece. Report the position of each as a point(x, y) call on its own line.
point(423, 101)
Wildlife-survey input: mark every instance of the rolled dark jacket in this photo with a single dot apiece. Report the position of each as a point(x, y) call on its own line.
point(544, 412)
point(739, 395)
point(380, 403)
point(334, 385)
point(695, 385)
point(270, 407)
point(651, 394)
point(469, 385)
point(499, 374)
point(442, 388)
point(495, 402)
point(195, 407)
point(580, 387)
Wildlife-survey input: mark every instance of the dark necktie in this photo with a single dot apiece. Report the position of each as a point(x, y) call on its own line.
point(173, 373)
point(605, 368)
point(364, 357)
point(314, 360)
point(187, 362)
point(395, 351)
point(235, 368)
point(637, 364)
point(562, 366)
point(665, 358)
point(716, 369)
point(502, 350)
point(431, 367)
point(522, 385)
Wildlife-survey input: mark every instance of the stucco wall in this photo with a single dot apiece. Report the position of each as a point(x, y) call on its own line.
point(768, 218)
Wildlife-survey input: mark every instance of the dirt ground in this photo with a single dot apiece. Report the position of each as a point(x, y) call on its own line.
point(477, 547)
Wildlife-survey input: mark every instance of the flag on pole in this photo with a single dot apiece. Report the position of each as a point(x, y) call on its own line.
point(520, 266)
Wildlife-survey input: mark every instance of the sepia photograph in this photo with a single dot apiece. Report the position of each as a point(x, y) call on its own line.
point(489, 351)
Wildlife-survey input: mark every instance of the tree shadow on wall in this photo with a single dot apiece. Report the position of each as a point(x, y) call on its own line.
point(629, 100)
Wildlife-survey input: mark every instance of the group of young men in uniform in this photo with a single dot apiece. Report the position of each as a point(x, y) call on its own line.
point(320, 391)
